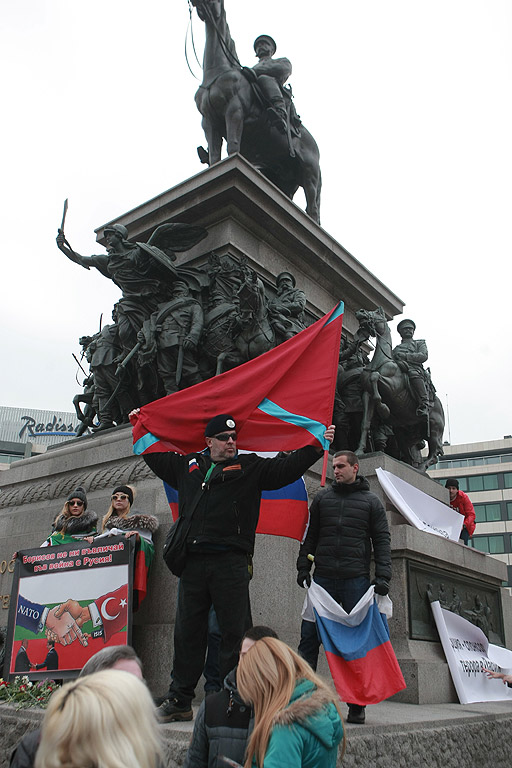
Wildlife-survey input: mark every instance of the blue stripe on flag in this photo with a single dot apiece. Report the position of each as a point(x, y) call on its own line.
point(171, 493)
point(296, 491)
point(337, 311)
point(143, 443)
point(354, 642)
point(313, 427)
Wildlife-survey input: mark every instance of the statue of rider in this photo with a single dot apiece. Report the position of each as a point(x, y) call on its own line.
point(410, 355)
point(272, 75)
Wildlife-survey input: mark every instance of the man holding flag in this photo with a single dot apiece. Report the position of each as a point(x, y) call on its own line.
point(281, 401)
point(220, 543)
point(345, 521)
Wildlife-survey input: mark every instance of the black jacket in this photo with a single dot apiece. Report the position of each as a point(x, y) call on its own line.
point(222, 727)
point(228, 508)
point(345, 520)
point(24, 755)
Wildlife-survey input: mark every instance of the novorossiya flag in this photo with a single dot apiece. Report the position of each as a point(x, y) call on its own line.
point(361, 658)
point(281, 400)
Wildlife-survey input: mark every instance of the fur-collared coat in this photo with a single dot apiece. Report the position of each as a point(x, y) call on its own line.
point(306, 734)
point(75, 526)
point(135, 521)
point(67, 528)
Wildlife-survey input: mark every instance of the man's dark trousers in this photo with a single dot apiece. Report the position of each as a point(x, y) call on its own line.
point(218, 578)
point(346, 592)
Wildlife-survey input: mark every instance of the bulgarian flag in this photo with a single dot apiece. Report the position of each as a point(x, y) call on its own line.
point(281, 400)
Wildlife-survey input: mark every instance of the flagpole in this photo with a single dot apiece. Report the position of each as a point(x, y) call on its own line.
point(324, 468)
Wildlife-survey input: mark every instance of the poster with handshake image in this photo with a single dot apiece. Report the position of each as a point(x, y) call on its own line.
point(67, 603)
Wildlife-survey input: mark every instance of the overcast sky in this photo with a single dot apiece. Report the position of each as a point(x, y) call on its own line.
point(410, 104)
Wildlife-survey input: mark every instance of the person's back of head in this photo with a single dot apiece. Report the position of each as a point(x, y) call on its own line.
point(105, 719)
point(114, 657)
point(258, 632)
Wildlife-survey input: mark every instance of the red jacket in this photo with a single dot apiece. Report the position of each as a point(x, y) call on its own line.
point(462, 504)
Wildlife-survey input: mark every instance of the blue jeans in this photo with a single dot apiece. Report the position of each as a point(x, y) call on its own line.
point(346, 592)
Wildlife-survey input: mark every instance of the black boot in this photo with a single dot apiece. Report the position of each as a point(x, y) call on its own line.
point(356, 714)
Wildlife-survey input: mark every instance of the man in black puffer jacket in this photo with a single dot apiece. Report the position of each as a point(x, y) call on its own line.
point(345, 521)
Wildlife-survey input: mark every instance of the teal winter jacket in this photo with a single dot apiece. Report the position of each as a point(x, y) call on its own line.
point(306, 733)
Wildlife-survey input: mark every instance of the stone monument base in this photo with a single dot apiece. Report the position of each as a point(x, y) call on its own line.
point(34, 490)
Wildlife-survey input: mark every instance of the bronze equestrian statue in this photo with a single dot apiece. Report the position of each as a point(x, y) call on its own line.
point(250, 109)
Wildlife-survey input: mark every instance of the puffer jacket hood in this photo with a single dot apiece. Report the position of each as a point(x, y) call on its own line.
point(315, 711)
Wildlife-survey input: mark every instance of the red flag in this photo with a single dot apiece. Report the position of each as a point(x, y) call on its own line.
point(280, 401)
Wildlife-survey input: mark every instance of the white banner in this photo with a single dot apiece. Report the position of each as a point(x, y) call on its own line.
point(420, 509)
point(467, 652)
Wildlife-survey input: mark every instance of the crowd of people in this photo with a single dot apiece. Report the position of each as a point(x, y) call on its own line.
point(271, 704)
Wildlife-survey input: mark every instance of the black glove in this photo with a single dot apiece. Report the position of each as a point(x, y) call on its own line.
point(304, 576)
point(381, 586)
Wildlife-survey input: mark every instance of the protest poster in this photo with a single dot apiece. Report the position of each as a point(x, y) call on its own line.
point(468, 653)
point(419, 509)
point(67, 603)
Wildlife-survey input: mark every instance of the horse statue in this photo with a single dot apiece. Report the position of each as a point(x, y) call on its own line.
point(238, 326)
point(386, 394)
point(233, 110)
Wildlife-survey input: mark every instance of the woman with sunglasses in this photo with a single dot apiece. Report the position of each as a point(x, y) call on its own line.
point(74, 522)
point(121, 520)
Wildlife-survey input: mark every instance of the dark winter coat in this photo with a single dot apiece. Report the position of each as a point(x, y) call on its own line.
point(229, 504)
point(345, 520)
point(77, 526)
point(222, 727)
point(24, 756)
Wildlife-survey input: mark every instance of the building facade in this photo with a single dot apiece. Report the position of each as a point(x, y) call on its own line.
point(26, 432)
point(484, 472)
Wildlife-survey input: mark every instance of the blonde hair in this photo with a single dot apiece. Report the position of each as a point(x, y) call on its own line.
point(66, 513)
point(103, 720)
point(111, 508)
point(266, 677)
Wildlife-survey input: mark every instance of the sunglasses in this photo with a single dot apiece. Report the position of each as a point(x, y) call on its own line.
point(225, 436)
point(119, 497)
point(75, 503)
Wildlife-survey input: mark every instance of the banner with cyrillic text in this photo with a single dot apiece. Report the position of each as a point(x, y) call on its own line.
point(468, 653)
point(67, 603)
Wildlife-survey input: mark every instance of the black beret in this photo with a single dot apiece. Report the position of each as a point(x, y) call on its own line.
point(218, 424)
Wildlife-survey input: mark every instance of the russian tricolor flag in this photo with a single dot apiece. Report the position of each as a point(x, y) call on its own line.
point(361, 659)
point(283, 512)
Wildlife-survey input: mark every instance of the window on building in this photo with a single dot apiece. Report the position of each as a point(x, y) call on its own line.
point(494, 545)
point(479, 483)
point(488, 513)
point(509, 510)
point(507, 477)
